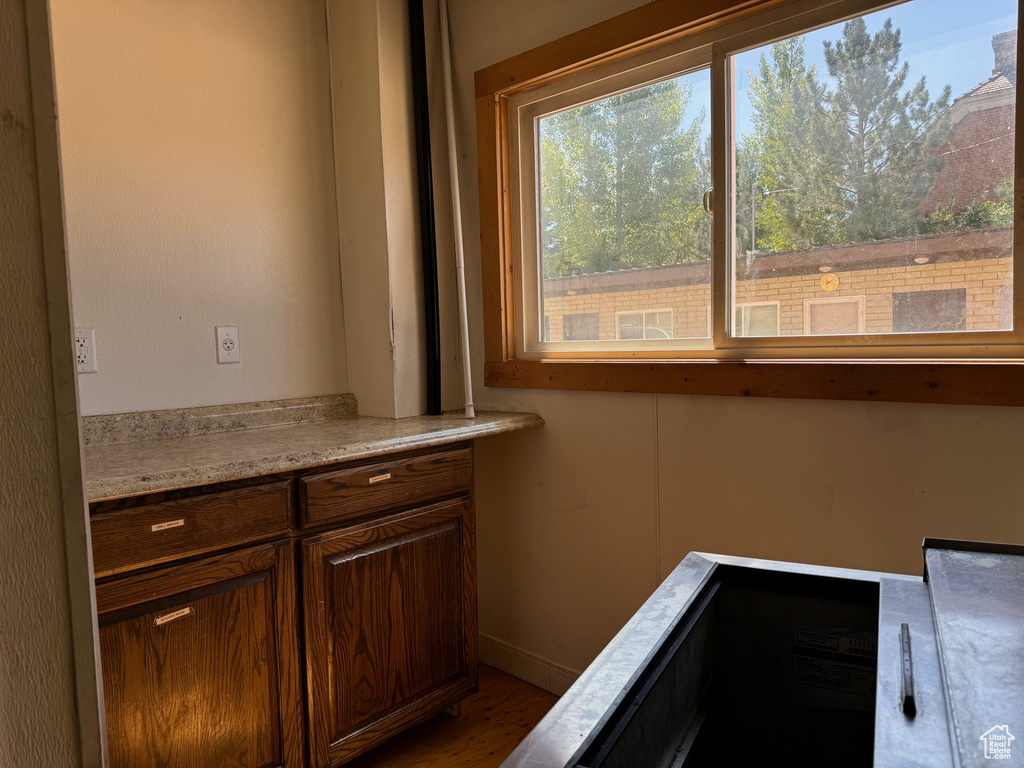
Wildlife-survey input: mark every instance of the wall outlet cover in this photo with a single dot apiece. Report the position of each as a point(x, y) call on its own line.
point(85, 350)
point(227, 344)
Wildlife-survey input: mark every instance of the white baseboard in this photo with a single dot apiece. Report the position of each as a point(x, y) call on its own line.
point(526, 666)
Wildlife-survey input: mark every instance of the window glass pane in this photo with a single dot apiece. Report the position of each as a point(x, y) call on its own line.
point(875, 158)
point(621, 224)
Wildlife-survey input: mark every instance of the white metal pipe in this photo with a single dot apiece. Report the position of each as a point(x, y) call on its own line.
point(453, 174)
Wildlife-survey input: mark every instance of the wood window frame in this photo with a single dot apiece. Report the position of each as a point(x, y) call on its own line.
point(989, 381)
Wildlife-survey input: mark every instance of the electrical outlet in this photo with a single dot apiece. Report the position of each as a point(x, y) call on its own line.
point(85, 350)
point(227, 344)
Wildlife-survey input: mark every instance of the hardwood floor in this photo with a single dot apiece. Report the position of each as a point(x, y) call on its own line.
point(492, 723)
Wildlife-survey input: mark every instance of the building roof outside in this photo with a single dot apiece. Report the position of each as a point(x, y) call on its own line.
point(968, 245)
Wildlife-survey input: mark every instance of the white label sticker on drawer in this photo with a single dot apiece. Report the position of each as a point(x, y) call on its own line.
point(168, 524)
point(172, 616)
point(380, 478)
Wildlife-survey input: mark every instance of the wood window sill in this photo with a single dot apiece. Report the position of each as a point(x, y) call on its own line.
point(934, 381)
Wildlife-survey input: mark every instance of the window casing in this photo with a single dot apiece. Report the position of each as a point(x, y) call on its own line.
point(516, 341)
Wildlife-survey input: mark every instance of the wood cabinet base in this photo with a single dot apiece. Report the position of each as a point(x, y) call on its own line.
point(391, 628)
point(200, 663)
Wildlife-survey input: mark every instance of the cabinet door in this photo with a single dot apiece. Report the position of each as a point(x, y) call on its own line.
point(200, 663)
point(391, 628)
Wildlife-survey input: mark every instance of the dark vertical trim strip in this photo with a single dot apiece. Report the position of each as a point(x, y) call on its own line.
point(421, 120)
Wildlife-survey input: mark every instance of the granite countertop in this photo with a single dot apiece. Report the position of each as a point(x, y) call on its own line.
point(138, 466)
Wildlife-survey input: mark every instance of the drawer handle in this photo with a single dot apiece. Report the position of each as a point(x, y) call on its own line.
point(166, 526)
point(380, 478)
point(167, 617)
point(907, 702)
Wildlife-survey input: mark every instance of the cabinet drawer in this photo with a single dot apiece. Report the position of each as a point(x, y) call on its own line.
point(157, 533)
point(349, 493)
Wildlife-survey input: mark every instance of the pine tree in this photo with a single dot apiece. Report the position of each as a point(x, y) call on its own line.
point(878, 139)
point(830, 160)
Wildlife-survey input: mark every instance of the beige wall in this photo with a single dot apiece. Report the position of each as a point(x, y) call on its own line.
point(49, 705)
point(375, 164)
point(199, 185)
point(578, 521)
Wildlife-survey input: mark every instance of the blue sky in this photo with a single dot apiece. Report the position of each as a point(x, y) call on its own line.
point(947, 41)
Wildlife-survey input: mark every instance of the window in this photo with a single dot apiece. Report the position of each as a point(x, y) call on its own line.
point(728, 170)
point(581, 327)
point(825, 317)
point(650, 324)
point(847, 171)
point(757, 319)
point(932, 311)
point(619, 183)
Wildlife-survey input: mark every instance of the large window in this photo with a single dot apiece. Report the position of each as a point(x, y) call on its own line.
point(875, 156)
point(827, 180)
point(619, 189)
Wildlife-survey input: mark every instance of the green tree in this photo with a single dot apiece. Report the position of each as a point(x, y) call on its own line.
point(619, 180)
point(797, 200)
point(878, 136)
point(977, 215)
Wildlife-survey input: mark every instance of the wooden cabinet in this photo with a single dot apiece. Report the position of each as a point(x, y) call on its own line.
point(200, 622)
point(200, 663)
point(390, 626)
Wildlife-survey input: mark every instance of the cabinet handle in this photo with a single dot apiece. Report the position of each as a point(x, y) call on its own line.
point(165, 526)
point(907, 702)
point(160, 620)
point(380, 478)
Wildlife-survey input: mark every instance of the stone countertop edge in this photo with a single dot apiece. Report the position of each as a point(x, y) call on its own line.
point(118, 470)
